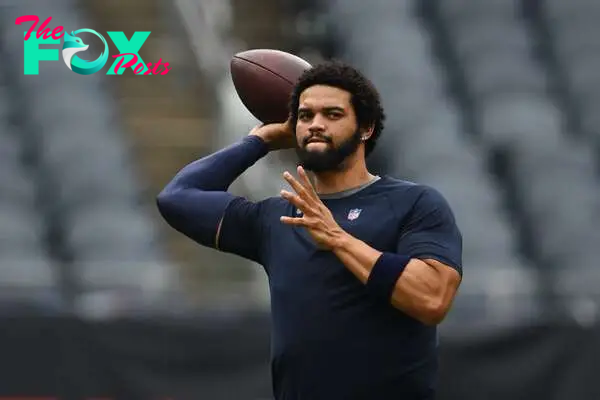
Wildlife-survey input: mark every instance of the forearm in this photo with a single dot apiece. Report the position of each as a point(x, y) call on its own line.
point(217, 171)
point(195, 200)
point(418, 289)
point(356, 255)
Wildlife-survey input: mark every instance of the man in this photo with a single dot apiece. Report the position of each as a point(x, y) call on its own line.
point(361, 268)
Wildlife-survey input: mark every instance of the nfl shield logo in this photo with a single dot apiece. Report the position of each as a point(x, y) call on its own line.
point(354, 213)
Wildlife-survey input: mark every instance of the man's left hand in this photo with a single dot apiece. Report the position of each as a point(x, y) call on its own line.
point(316, 217)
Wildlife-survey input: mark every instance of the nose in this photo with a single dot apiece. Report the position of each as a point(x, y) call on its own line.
point(317, 124)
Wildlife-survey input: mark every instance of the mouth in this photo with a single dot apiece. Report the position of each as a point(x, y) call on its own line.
point(316, 140)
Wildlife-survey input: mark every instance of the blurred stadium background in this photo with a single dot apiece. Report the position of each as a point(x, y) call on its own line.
point(494, 102)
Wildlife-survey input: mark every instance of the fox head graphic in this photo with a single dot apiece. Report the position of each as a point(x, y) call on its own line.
point(71, 46)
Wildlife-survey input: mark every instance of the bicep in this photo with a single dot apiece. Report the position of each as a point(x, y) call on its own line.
point(242, 230)
point(426, 290)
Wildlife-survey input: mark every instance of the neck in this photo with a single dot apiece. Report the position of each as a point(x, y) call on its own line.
point(354, 174)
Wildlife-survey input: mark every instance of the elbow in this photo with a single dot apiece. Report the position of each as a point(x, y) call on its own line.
point(162, 201)
point(166, 203)
point(430, 312)
point(172, 210)
point(434, 312)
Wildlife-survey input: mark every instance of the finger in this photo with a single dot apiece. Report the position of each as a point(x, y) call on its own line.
point(307, 183)
point(297, 186)
point(295, 200)
point(293, 221)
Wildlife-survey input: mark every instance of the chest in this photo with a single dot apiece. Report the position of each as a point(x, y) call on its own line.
point(373, 224)
point(296, 258)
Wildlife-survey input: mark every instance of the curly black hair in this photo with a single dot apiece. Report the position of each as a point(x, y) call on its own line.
point(365, 98)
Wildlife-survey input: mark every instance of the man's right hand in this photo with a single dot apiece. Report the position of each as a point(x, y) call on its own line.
point(278, 136)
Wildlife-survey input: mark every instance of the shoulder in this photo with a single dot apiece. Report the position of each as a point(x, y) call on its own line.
point(272, 205)
point(409, 196)
point(273, 202)
point(428, 197)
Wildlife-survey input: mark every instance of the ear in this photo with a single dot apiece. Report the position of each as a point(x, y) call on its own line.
point(365, 133)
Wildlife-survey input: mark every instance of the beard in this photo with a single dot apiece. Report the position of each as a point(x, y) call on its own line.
point(332, 158)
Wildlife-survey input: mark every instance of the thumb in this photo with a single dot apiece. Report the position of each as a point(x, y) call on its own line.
point(257, 127)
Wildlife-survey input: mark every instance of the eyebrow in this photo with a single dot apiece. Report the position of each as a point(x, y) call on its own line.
point(326, 109)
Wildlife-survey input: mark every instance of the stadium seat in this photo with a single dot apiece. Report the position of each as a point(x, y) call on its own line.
point(507, 120)
point(493, 299)
point(111, 232)
point(17, 190)
point(502, 72)
point(4, 104)
point(28, 277)
point(460, 10)
point(69, 104)
point(571, 38)
point(476, 38)
point(582, 75)
point(575, 42)
point(556, 9)
point(20, 228)
point(559, 192)
point(10, 146)
point(400, 11)
point(590, 119)
point(29, 284)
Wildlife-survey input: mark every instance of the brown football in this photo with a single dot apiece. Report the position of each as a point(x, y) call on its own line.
point(264, 80)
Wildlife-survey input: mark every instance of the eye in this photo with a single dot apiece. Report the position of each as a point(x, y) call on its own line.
point(304, 116)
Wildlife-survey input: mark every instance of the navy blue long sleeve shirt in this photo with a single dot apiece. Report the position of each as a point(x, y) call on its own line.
point(331, 338)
